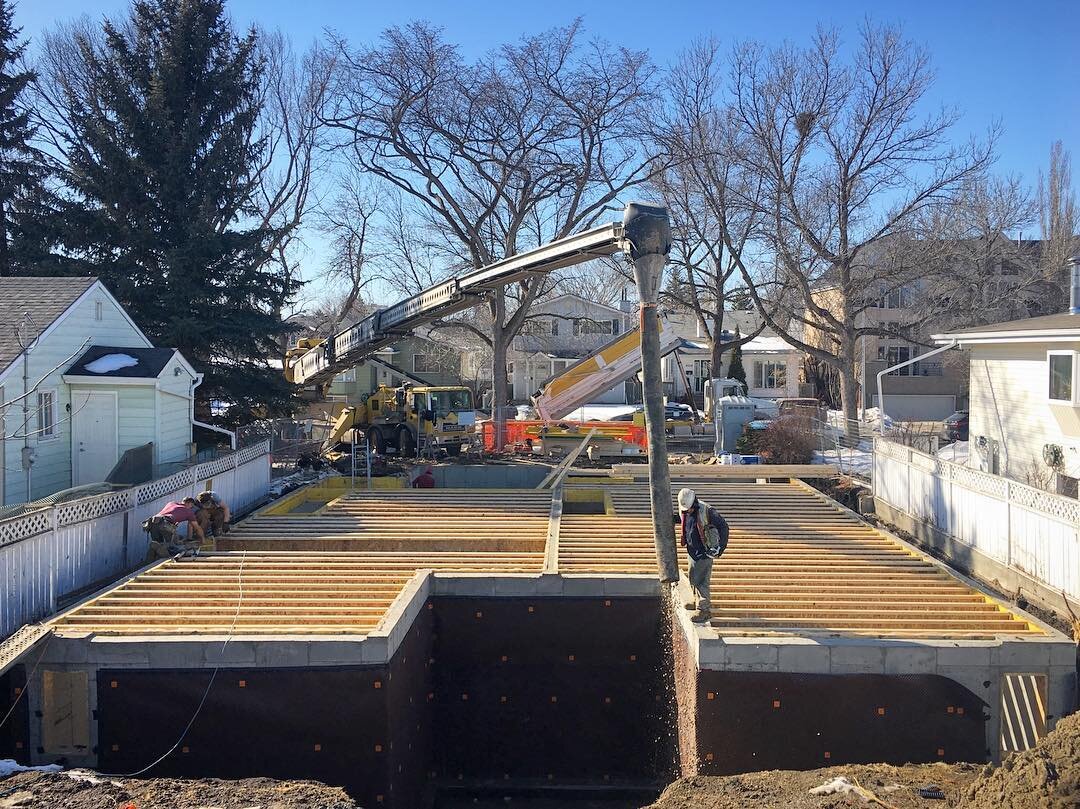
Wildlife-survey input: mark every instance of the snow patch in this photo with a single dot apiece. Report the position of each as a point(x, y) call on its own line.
point(9, 766)
point(111, 362)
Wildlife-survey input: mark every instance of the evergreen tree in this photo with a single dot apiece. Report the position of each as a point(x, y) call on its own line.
point(160, 116)
point(20, 172)
point(735, 369)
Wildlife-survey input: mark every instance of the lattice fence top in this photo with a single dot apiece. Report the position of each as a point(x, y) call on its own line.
point(159, 488)
point(215, 467)
point(28, 525)
point(252, 452)
point(92, 507)
point(979, 481)
point(891, 450)
point(1055, 505)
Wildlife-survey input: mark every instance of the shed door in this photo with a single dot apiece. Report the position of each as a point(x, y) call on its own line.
point(93, 436)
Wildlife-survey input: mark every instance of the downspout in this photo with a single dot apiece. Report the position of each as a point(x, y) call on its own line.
point(898, 366)
point(26, 459)
point(232, 436)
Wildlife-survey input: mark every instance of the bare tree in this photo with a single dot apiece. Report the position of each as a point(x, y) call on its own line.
point(714, 203)
point(847, 162)
point(349, 222)
point(293, 98)
point(1058, 215)
point(977, 271)
point(531, 142)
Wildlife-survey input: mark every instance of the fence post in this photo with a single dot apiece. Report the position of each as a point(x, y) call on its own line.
point(1008, 523)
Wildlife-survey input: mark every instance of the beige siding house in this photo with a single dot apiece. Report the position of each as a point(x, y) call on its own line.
point(1025, 398)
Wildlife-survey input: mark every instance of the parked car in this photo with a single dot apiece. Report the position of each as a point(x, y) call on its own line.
point(672, 412)
point(956, 426)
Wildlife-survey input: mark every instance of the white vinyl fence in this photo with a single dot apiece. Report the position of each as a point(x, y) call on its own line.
point(57, 550)
point(1015, 524)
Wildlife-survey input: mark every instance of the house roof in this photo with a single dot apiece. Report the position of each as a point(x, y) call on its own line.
point(43, 299)
point(121, 362)
point(1048, 327)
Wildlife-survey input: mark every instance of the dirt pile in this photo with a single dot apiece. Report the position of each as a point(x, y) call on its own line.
point(784, 789)
point(1046, 777)
point(38, 790)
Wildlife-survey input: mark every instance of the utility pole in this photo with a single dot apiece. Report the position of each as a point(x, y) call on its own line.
point(646, 229)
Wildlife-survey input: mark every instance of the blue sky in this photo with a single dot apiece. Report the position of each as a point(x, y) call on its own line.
point(994, 59)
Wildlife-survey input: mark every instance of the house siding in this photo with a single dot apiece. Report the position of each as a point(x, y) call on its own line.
point(1008, 404)
point(52, 465)
point(173, 413)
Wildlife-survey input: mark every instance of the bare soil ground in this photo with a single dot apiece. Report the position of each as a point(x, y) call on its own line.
point(1047, 777)
point(784, 789)
point(38, 790)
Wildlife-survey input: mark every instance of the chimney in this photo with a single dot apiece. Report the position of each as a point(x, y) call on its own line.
point(1074, 285)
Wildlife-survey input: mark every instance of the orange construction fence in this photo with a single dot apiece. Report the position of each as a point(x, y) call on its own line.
point(523, 434)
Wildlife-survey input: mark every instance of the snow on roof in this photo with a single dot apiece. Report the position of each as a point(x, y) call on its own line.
point(767, 345)
point(111, 362)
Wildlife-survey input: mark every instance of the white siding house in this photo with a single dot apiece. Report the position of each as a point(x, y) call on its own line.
point(75, 422)
point(1024, 391)
point(557, 334)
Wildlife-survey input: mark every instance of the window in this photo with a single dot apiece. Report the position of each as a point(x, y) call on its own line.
point(424, 363)
point(98, 309)
point(770, 375)
point(347, 376)
point(1061, 376)
point(539, 328)
point(587, 326)
point(895, 299)
point(46, 414)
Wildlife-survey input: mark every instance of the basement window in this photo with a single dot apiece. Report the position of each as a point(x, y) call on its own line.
point(1061, 370)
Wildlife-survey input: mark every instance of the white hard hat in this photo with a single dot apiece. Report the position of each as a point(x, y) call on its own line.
point(686, 499)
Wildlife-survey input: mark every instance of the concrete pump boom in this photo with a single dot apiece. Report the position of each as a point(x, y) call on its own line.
point(349, 347)
point(597, 373)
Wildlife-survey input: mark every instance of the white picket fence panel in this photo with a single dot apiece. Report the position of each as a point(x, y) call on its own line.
point(1015, 524)
point(57, 550)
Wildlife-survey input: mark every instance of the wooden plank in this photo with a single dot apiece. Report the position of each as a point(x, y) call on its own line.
point(732, 471)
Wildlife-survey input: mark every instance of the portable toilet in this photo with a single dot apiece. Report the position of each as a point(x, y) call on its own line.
point(732, 411)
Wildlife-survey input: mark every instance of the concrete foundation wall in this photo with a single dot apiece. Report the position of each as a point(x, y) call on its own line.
point(493, 476)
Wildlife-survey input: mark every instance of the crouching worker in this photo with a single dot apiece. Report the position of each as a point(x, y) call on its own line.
point(705, 535)
point(163, 528)
point(214, 514)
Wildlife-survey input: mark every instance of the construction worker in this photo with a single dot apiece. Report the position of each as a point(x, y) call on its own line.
point(704, 532)
point(163, 528)
point(425, 480)
point(214, 514)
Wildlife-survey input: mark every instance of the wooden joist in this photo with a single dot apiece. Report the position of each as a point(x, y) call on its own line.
point(796, 564)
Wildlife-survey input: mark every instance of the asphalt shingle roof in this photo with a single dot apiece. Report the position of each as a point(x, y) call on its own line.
point(44, 299)
point(1054, 322)
point(151, 362)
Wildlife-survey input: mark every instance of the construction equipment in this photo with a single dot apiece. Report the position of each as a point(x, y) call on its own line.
point(612, 363)
point(411, 418)
point(317, 362)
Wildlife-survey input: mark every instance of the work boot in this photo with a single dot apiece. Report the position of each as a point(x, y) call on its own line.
point(701, 617)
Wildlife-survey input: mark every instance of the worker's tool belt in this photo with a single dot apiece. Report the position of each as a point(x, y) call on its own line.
point(151, 522)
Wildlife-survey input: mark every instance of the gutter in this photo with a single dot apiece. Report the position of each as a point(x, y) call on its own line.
point(232, 436)
point(881, 396)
